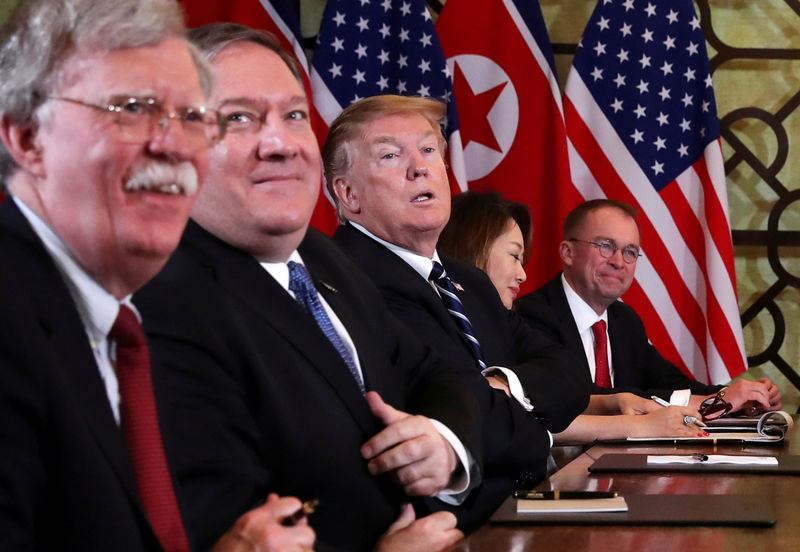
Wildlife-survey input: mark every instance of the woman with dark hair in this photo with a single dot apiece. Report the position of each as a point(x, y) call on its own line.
point(493, 234)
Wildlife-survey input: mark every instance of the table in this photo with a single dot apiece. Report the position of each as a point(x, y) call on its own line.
point(783, 491)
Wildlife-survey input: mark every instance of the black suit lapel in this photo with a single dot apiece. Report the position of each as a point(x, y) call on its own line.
point(568, 328)
point(81, 377)
point(240, 275)
point(69, 352)
point(395, 277)
point(620, 350)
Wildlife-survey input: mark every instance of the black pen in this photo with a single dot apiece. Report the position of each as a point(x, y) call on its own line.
point(304, 510)
point(563, 495)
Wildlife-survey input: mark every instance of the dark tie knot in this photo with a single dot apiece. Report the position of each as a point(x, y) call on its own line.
point(437, 272)
point(127, 330)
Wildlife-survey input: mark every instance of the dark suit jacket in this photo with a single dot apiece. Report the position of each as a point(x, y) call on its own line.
point(638, 366)
point(262, 402)
point(66, 482)
point(514, 440)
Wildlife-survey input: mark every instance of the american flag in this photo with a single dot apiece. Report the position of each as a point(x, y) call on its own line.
point(365, 48)
point(642, 128)
point(512, 125)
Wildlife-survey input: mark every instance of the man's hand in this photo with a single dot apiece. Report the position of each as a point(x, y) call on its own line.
point(429, 534)
point(758, 395)
point(260, 529)
point(666, 422)
point(773, 392)
point(634, 404)
point(410, 448)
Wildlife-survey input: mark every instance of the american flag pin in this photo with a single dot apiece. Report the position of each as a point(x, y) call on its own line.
point(458, 286)
point(327, 286)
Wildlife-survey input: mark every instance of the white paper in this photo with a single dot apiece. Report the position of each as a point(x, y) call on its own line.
point(572, 505)
point(714, 459)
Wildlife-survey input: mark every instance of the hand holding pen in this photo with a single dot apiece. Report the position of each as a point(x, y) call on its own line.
point(305, 509)
point(690, 417)
point(280, 524)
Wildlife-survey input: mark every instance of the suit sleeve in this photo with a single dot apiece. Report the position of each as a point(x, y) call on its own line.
point(436, 390)
point(210, 435)
point(511, 438)
point(552, 375)
point(538, 316)
point(22, 472)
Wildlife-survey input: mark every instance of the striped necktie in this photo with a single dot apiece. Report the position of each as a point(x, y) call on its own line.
point(453, 305)
point(306, 294)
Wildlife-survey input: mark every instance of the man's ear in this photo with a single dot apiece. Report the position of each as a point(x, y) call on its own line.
point(22, 142)
point(347, 195)
point(565, 251)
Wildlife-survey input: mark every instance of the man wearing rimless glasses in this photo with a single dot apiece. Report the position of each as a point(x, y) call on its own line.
point(580, 309)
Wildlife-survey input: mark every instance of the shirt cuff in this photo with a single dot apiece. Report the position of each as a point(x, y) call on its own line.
point(680, 397)
point(461, 483)
point(513, 382)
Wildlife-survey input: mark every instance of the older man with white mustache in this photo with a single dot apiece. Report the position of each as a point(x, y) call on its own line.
point(105, 137)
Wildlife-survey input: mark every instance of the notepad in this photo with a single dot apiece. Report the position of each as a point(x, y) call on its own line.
point(713, 459)
point(783, 464)
point(663, 510)
point(590, 505)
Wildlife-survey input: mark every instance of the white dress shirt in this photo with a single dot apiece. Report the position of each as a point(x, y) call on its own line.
point(97, 308)
point(585, 317)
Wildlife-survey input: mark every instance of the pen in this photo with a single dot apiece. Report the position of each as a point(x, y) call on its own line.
point(660, 401)
point(562, 495)
point(304, 510)
point(686, 419)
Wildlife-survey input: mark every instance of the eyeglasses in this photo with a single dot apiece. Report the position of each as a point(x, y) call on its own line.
point(137, 118)
point(714, 407)
point(608, 249)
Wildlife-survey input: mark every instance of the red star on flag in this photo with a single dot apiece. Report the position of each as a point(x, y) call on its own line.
point(473, 109)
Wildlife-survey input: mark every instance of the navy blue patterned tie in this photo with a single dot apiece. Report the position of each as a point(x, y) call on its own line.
point(306, 294)
point(453, 304)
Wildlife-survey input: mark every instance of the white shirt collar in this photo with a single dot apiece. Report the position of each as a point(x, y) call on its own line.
point(97, 308)
point(421, 264)
point(280, 271)
point(583, 314)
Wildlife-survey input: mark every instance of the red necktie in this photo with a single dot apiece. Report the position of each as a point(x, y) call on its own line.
point(142, 434)
point(602, 377)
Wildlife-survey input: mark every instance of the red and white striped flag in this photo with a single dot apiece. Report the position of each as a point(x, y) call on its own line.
point(509, 109)
point(642, 128)
point(281, 19)
point(382, 47)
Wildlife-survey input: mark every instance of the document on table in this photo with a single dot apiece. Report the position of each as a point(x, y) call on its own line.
point(713, 459)
point(564, 506)
point(769, 427)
